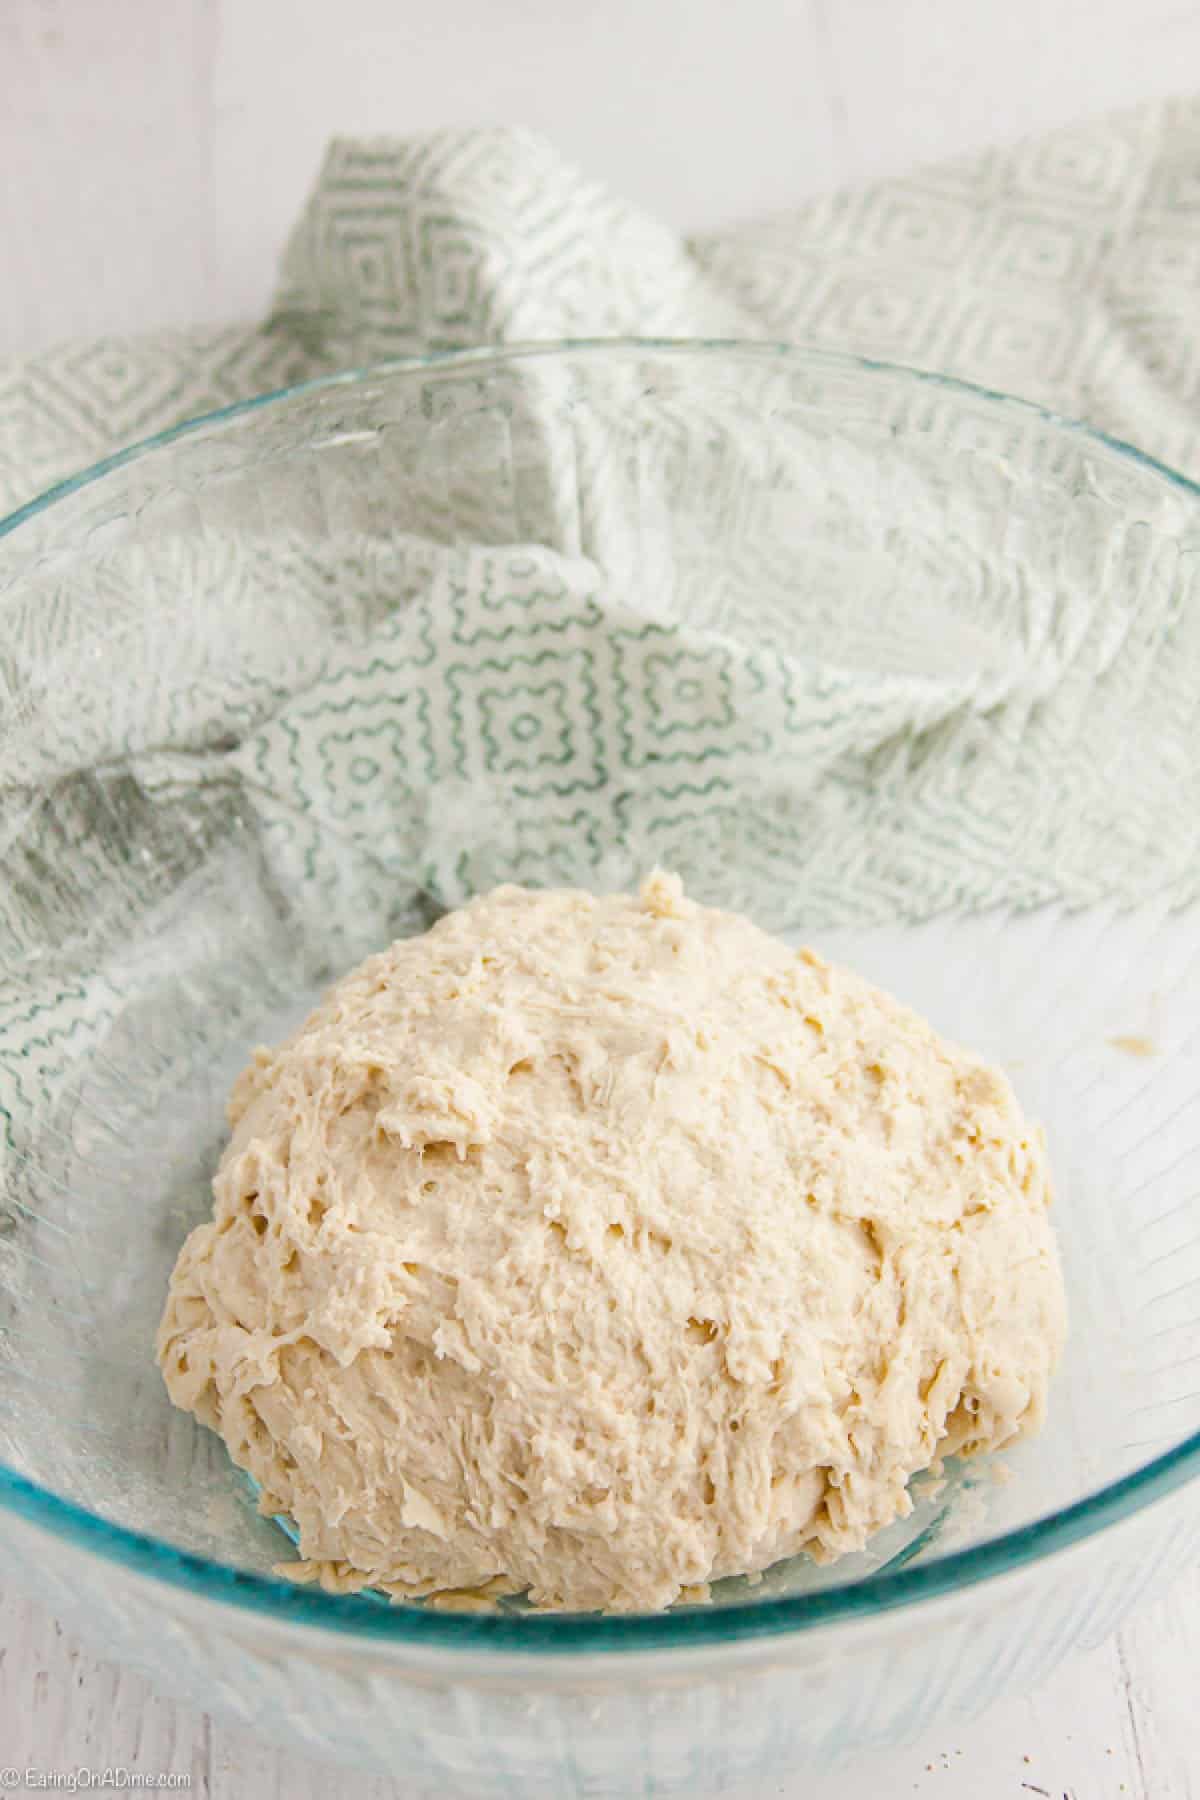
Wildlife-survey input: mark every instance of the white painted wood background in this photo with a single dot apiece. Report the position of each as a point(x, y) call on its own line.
point(153, 154)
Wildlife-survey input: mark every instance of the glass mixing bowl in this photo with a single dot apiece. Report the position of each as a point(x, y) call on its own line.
point(905, 668)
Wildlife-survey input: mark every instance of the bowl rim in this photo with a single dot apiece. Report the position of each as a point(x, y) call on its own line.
point(549, 1634)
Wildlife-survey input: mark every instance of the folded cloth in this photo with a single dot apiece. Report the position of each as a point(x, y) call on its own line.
point(365, 689)
point(1063, 269)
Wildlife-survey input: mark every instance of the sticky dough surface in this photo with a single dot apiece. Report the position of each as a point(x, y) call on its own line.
point(603, 1247)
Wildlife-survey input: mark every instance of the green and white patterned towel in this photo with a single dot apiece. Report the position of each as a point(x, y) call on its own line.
point(394, 709)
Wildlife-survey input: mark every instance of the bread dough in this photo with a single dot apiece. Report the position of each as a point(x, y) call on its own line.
point(603, 1247)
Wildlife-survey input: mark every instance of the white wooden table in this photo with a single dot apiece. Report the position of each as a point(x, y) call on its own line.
point(154, 155)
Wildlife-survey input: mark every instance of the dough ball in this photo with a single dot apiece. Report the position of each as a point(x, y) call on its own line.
point(601, 1248)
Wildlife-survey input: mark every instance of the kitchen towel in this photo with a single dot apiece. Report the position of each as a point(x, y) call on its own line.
point(434, 709)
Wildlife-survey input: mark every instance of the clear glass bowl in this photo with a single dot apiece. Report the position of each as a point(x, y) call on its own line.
point(905, 668)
